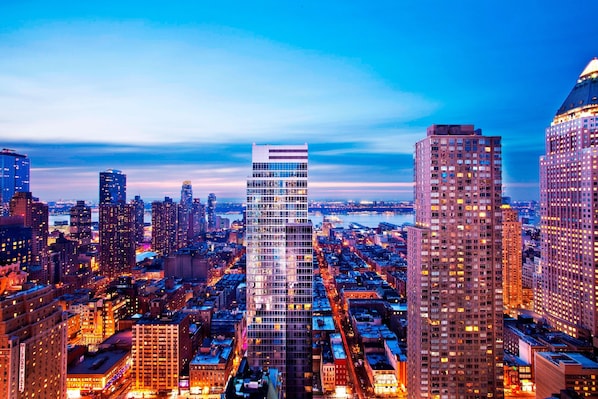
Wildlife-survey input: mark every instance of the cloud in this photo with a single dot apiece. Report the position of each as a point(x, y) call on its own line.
point(224, 87)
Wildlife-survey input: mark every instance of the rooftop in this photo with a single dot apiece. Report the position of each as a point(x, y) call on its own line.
point(569, 358)
point(98, 364)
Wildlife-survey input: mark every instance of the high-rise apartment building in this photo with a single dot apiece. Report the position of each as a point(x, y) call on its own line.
point(512, 260)
point(211, 212)
point(80, 229)
point(279, 266)
point(454, 285)
point(569, 209)
point(117, 239)
point(197, 219)
point(164, 226)
point(35, 215)
point(139, 206)
point(113, 187)
point(14, 178)
point(116, 225)
point(32, 345)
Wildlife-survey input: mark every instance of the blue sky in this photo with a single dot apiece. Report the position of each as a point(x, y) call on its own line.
point(180, 91)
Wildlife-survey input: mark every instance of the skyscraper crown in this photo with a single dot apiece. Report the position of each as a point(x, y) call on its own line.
point(583, 98)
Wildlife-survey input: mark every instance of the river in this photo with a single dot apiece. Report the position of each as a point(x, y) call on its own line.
point(369, 219)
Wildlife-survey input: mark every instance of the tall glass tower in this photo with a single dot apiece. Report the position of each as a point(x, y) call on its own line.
point(116, 225)
point(113, 187)
point(569, 210)
point(15, 177)
point(211, 212)
point(280, 266)
point(454, 285)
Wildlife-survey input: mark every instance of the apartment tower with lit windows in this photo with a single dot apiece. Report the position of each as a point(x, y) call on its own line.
point(512, 260)
point(116, 224)
point(455, 312)
point(569, 210)
point(280, 266)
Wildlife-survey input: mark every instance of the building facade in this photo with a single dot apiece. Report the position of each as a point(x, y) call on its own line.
point(279, 266)
point(35, 215)
point(113, 187)
point(559, 370)
point(116, 224)
point(164, 226)
point(80, 223)
point(211, 211)
point(117, 239)
point(512, 260)
point(32, 345)
point(15, 242)
point(184, 232)
point(569, 210)
point(139, 206)
point(454, 290)
point(161, 349)
point(14, 178)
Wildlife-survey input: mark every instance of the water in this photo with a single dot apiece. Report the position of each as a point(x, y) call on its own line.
point(369, 219)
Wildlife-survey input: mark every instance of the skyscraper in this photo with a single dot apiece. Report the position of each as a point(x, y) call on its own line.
point(186, 194)
point(116, 225)
point(512, 260)
point(211, 212)
point(454, 333)
point(279, 266)
point(164, 226)
point(184, 232)
point(35, 215)
point(197, 219)
point(117, 239)
point(139, 206)
point(569, 209)
point(15, 177)
point(113, 187)
point(81, 223)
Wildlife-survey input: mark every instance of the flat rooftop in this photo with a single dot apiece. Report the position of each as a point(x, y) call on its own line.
point(98, 364)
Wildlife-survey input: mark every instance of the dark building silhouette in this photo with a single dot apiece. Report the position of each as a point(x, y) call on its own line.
point(80, 229)
point(139, 218)
point(15, 241)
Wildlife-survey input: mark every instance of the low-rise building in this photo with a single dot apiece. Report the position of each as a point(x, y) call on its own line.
point(555, 371)
point(161, 350)
point(98, 372)
point(210, 368)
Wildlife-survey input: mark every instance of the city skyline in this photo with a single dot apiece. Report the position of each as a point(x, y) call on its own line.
point(176, 94)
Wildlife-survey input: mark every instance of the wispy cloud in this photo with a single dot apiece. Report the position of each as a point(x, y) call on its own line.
point(187, 91)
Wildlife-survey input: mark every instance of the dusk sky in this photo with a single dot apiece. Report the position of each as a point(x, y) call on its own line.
point(173, 91)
